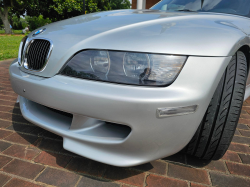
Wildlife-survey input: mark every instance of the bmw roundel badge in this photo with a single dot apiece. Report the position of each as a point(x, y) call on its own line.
point(39, 31)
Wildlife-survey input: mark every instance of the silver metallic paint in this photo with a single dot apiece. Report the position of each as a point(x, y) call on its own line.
point(151, 137)
point(209, 39)
point(196, 34)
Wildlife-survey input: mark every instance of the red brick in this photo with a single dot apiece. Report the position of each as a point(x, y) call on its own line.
point(231, 156)
point(243, 112)
point(4, 124)
point(245, 116)
point(178, 157)
point(3, 179)
point(58, 178)
point(7, 98)
point(4, 78)
point(92, 182)
point(18, 182)
point(245, 133)
point(124, 175)
point(222, 180)
point(244, 121)
point(186, 173)
point(4, 145)
point(239, 148)
point(53, 159)
point(238, 169)
point(245, 103)
point(3, 92)
point(18, 119)
point(245, 158)
point(5, 116)
point(23, 169)
point(5, 108)
point(6, 88)
point(153, 167)
point(7, 103)
point(241, 140)
point(21, 138)
point(23, 152)
point(36, 143)
point(17, 127)
point(216, 165)
point(237, 132)
point(197, 185)
point(46, 134)
point(51, 145)
point(248, 111)
point(86, 166)
point(242, 126)
point(4, 133)
point(4, 160)
point(159, 181)
point(15, 110)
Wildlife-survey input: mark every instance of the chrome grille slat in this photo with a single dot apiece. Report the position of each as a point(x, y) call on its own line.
point(31, 64)
point(39, 46)
point(37, 54)
point(37, 57)
point(33, 55)
point(30, 56)
point(45, 51)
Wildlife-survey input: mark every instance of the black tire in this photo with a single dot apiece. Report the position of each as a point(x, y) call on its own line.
point(217, 128)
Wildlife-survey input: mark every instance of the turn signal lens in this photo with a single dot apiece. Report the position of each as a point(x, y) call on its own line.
point(176, 111)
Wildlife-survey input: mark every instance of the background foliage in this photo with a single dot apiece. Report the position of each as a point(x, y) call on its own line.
point(62, 9)
point(36, 22)
point(37, 13)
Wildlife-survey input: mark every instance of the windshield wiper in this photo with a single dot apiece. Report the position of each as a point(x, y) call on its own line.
point(186, 10)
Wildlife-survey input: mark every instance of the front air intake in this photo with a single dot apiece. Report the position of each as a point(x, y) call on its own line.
point(37, 54)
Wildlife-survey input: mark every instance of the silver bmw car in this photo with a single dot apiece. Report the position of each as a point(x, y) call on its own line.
point(127, 87)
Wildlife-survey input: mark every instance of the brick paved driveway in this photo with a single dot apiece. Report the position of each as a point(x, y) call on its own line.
point(31, 156)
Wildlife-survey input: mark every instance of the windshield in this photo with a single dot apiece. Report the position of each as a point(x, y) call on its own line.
point(239, 7)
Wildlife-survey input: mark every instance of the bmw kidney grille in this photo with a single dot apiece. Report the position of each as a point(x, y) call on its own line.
point(37, 54)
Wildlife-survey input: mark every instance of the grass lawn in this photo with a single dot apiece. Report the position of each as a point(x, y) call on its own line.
point(14, 31)
point(9, 45)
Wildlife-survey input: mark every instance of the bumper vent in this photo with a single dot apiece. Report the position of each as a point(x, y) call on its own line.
point(37, 54)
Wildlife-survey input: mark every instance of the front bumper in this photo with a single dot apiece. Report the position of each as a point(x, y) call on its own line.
point(95, 103)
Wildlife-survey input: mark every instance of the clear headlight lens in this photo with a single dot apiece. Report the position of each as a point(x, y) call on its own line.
point(136, 65)
point(125, 67)
point(100, 61)
point(21, 48)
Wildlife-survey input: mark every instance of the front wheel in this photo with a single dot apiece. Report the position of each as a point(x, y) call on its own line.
point(217, 128)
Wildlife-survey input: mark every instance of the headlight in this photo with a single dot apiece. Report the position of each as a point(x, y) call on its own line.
point(125, 67)
point(21, 48)
point(136, 65)
point(100, 61)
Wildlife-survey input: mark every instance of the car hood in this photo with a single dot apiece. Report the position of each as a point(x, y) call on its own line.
point(182, 33)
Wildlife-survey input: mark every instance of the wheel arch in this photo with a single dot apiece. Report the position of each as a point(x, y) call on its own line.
point(246, 50)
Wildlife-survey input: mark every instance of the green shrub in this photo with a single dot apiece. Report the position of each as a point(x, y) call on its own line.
point(36, 22)
point(18, 23)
